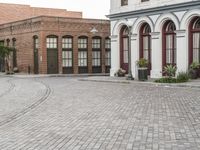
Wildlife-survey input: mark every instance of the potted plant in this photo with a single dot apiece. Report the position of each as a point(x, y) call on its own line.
point(193, 71)
point(170, 71)
point(120, 72)
point(142, 64)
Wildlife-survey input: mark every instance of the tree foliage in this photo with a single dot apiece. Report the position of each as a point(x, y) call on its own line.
point(5, 51)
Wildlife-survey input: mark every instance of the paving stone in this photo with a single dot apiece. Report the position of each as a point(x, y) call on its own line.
point(64, 113)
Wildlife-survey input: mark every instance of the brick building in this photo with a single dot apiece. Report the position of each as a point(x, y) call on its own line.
point(58, 44)
point(15, 12)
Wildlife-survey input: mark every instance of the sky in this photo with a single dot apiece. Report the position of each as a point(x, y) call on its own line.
point(90, 8)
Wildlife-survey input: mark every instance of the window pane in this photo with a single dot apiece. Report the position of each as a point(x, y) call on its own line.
point(146, 47)
point(125, 50)
point(67, 58)
point(82, 43)
point(96, 43)
point(82, 58)
point(96, 58)
point(51, 42)
point(67, 43)
point(107, 44)
point(196, 47)
point(170, 49)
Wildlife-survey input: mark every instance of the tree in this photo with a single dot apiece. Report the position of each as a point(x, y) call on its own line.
point(5, 54)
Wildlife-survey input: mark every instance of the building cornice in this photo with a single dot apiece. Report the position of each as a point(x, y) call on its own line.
point(156, 10)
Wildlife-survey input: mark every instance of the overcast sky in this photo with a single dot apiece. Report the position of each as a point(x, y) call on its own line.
point(90, 8)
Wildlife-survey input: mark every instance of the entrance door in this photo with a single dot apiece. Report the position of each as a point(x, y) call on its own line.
point(124, 49)
point(36, 66)
point(52, 61)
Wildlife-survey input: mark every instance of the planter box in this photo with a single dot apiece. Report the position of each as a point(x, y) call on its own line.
point(194, 74)
point(121, 74)
point(142, 74)
point(198, 73)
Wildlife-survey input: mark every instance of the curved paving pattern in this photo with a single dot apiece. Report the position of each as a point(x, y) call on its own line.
point(97, 116)
point(6, 86)
point(21, 96)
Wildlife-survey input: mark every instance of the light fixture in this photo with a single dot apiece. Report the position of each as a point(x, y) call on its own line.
point(94, 30)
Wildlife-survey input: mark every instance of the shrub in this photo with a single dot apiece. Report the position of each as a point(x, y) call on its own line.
point(142, 62)
point(120, 73)
point(182, 77)
point(170, 70)
point(194, 65)
point(166, 80)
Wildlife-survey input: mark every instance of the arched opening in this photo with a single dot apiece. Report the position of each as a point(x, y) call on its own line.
point(96, 54)
point(124, 48)
point(194, 40)
point(67, 54)
point(14, 52)
point(35, 54)
point(107, 54)
point(83, 54)
point(169, 44)
point(52, 54)
point(145, 44)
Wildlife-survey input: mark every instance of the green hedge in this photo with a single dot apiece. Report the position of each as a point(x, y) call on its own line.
point(181, 77)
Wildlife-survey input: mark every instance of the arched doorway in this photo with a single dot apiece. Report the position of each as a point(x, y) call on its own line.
point(52, 54)
point(194, 40)
point(124, 48)
point(145, 44)
point(35, 54)
point(169, 44)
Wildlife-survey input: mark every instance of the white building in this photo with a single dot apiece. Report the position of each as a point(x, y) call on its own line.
point(163, 31)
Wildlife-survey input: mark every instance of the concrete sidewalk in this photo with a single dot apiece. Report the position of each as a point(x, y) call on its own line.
point(190, 84)
point(104, 77)
point(21, 75)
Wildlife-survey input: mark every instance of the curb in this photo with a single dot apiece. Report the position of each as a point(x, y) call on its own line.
point(151, 83)
point(51, 75)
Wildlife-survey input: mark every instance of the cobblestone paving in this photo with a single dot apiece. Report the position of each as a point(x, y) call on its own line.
point(67, 114)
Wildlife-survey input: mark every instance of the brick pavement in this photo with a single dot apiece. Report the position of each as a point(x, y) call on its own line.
point(82, 115)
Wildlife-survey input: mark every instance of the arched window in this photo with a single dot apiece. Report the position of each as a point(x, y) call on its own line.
point(145, 43)
point(96, 54)
point(83, 54)
point(107, 54)
point(67, 54)
point(124, 48)
point(169, 43)
point(194, 40)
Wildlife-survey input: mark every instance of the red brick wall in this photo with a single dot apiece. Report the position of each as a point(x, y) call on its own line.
point(15, 12)
point(24, 31)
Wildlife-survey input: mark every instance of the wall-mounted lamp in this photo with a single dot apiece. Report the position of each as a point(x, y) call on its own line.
point(94, 30)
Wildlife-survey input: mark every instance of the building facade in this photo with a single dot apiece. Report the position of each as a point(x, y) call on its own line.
point(64, 45)
point(58, 45)
point(16, 12)
point(162, 31)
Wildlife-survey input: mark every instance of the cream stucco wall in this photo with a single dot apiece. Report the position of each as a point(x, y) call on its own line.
point(181, 19)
